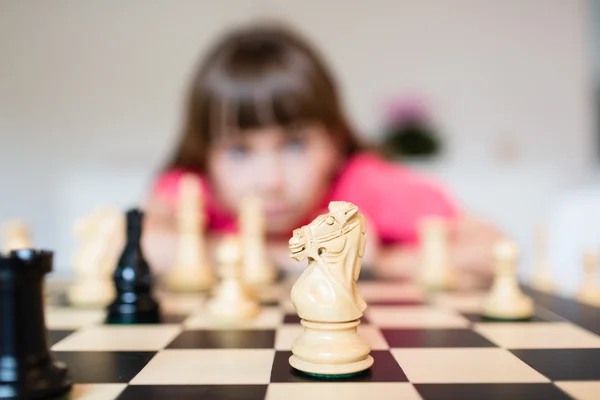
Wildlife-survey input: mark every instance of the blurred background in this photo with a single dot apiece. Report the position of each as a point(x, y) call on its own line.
point(495, 98)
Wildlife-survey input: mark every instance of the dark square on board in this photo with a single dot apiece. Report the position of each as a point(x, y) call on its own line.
point(224, 339)
point(104, 366)
point(435, 338)
point(173, 318)
point(55, 336)
point(563, 364)
point(491, 391)
point(194, 392)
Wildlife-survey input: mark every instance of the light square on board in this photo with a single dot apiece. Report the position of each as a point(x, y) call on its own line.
point(72, 318)
point(414, 317)
point(208, 366)
point(342, 390)
point(538, 335)
point(472, 365)
point(287, 333)
point(119, 338)
point(268, 318)
point(100, 391)
point(580, 390)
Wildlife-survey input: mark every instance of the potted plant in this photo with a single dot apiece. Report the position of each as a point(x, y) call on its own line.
point(409, 132)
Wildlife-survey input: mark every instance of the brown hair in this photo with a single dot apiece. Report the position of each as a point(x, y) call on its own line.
point(257, 76)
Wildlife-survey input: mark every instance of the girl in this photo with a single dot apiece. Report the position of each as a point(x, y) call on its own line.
point(264, 118)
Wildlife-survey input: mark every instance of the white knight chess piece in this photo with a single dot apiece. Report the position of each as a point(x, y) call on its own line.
point(325, 296)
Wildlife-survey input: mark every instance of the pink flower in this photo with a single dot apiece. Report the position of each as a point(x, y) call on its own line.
point(409, 108)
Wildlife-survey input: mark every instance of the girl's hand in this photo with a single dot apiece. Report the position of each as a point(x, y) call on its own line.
point(472, 240)
point(470, 251)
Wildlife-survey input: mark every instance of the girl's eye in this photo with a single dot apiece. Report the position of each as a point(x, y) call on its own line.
point(296, 143)
point(238, 151)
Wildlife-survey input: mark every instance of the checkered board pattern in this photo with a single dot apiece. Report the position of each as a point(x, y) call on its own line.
point(425, 347)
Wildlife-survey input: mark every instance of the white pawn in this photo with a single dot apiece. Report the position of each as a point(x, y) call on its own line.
point(231, 301)
point(434, 252)
point(506, 301)
point(16, 236)
point(257, 268)
point(191, 271)
point(102, 236)
point(589, 292)
point(541, 279)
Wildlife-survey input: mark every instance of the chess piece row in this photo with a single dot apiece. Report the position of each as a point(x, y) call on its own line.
point(541, 279)
point(192, 270)
point(101, 236)
point(134, 300)
point(436, 272)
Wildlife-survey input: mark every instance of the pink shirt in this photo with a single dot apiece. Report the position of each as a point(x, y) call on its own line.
point(391, 196)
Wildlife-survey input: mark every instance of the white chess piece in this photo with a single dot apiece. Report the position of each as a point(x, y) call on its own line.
point(541, 279)
point(434, 252)
point(231, 301)
point(325, 296)
point(192, 270)
point(16, 236)
point(102, 236)
point(589, 292)
point(506, 300)
point(257, 268)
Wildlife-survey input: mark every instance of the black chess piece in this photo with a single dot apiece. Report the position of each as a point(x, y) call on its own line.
point(134, 302)
point(28, 370)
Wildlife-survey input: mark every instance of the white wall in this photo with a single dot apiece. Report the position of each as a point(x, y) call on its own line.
point(90, 93)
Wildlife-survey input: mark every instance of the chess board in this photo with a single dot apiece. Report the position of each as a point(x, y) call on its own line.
point(425, 347)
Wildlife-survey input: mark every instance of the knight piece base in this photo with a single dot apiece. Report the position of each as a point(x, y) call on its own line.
point(331, 370)
point(330, 349)
point(50, 380)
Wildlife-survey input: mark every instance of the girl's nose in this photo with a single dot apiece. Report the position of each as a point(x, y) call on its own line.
point(269, 174)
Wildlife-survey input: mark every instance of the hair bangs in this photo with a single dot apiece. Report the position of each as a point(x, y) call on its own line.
point(280, 98)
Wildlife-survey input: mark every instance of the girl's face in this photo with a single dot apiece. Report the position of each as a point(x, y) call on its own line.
point(291, 171)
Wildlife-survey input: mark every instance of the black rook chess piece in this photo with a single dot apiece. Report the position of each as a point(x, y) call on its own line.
point(28, 370)
point(134, 303)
